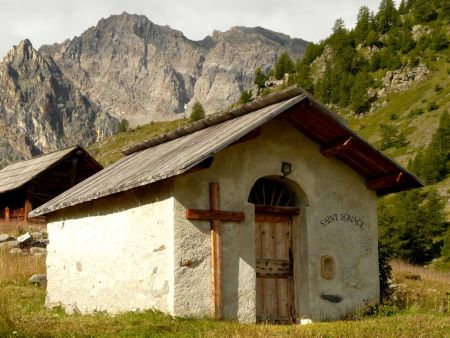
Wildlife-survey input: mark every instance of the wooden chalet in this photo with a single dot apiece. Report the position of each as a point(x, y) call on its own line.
point(31, 183)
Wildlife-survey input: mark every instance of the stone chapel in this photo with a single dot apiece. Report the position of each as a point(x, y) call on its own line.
point(265, 212)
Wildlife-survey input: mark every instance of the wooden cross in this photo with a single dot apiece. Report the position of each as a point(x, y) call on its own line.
point(215, 215)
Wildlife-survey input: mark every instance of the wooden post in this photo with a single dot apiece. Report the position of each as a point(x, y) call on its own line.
point(27, 209)
point(7, 215)
point(216, 251)
point(28, 206)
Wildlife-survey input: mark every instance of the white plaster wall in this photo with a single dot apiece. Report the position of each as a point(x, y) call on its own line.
point(193, 265)
point(330, 187)
point(114, 255)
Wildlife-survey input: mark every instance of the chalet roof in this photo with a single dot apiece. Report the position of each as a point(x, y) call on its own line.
point(17, 174)
point(179, 151)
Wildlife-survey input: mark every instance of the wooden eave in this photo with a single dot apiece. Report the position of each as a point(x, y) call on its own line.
point(336, 139)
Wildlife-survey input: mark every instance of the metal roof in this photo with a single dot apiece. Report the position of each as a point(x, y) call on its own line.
point(179, 151)
point(17, 174)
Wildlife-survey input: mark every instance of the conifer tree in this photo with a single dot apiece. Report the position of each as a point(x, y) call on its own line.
point(197, 112)
point(445, 7)
point(362, 27)
point(312, 52)
point(387, 16)
point(342, 45)
point(431, 164)
point(424, 11)
point(260, 78)
point(284, 66)
point(391, 137)
point(403, 8)
point(412, 225)
point(446, 247)
point(303, 76)
point(359, 92)
point(439, 40)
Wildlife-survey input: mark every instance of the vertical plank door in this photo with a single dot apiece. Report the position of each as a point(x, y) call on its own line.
point(274, 267)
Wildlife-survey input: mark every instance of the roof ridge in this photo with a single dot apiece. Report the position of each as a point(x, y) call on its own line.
point(40, 155)
point(214, 119)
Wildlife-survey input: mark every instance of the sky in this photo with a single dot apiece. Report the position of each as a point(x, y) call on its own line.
point(51, 21)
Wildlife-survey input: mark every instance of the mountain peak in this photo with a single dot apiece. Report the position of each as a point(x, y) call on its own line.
point(26, 44)
point(22, 53)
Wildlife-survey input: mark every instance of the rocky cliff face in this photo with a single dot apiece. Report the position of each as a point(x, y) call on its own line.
point(143, 72)
point(41, 110)
point(125, 67)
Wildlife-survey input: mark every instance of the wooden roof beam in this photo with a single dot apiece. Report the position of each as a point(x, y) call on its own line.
point(386, 181)
point(336, 147)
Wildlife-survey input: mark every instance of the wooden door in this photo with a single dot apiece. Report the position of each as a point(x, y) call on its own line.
point(274, 264)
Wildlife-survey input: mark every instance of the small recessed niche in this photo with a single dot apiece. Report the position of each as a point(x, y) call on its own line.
point(327, 267)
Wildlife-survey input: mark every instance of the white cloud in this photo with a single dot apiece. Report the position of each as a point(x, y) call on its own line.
point(50, 21)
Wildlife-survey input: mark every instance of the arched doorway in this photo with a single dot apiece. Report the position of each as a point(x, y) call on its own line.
point(275, 210)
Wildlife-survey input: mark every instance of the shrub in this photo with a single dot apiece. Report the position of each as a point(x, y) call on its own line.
point(265, 92)
point(393, 116)
point(415, 112)
point(123, 125)
point(246, 96)
point(438, 87)
point(432, 106)
point(385, 270)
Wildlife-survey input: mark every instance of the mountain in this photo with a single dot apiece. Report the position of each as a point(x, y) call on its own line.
point(126, 67)
point(41, 110)
point(145, 72)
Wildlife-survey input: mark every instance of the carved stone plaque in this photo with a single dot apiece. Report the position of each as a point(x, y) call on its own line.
point(327, 267)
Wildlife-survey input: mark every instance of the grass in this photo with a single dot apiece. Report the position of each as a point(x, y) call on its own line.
point(17, 228)
point(421, 288)
point(16, 269)
point(403, 271)
point(21, 311)
point(441, 264)
point(22, 314)
point(108, 150)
